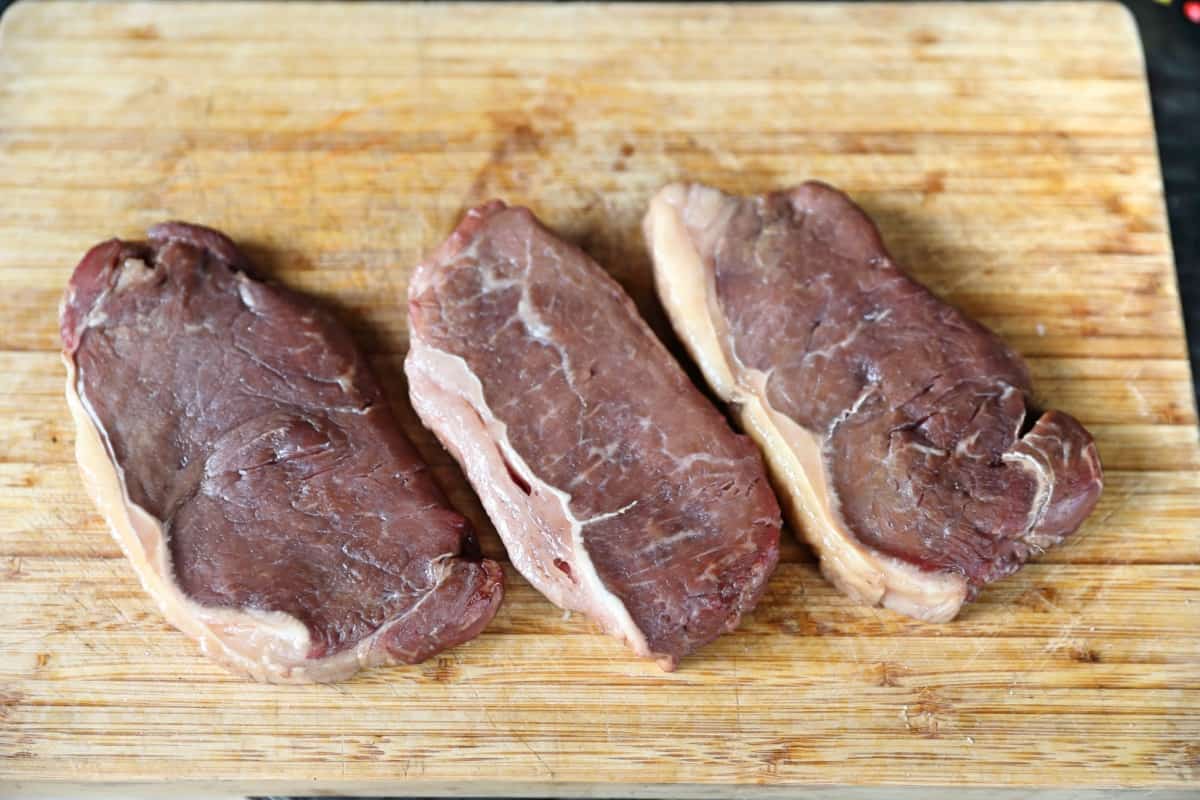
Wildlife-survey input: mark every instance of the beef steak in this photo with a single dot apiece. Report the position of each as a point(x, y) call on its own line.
point(897, 429)
point(247, 463)
point(618, 489)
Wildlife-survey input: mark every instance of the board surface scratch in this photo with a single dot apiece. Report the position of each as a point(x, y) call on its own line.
point(1007, 152)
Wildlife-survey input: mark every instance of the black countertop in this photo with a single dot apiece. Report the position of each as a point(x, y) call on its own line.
point(1172, 46)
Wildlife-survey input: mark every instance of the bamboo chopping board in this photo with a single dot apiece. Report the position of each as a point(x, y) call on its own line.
point(1007, 152)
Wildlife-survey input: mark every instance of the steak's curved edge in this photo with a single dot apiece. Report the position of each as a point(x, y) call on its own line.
point(140, 537)
point(687, 224)
point(548, 539)
point(865, 575)
point(269, 646)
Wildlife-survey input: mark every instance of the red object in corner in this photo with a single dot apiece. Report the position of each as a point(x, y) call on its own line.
point(1191, 10)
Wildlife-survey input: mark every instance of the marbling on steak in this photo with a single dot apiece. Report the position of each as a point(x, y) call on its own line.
point(896, 427)
point(617, 488)
point(241, 451)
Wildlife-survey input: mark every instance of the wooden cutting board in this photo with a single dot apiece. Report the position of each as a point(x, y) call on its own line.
point(1008, 153)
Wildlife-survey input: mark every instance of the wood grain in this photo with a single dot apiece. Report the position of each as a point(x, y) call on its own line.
point(1007, 151)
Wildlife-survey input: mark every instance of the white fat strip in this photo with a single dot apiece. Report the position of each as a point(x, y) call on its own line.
point(1067, 448)
point(540, 331)
point(863, 396)
point(133, 270)
point(668, 541)
point(844, 342)
point(684, 463)
point(1044, 481)
point(962, 449)
point(534, 323)
point(246, 293)
point(489, 281)
point(608, 514)
point(606, 452)
point(449, 399)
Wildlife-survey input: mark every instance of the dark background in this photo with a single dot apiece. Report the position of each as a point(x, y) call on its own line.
point(1172, 46)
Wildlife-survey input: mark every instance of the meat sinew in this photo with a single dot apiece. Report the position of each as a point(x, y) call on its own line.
point(240, 450)
point(895, 427)
point(618, 489)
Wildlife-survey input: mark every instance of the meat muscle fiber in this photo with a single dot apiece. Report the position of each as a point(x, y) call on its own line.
point(897, 429)
point(242, 453)
point(618, 489)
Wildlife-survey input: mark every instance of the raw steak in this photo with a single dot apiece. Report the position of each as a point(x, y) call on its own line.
point(896, 427)
point(618, 489)
point(240, 449)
